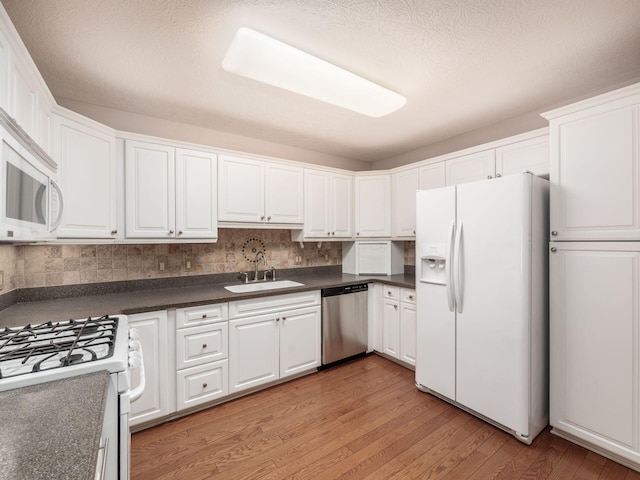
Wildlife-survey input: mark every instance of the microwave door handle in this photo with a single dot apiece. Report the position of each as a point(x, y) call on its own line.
point(55, 224)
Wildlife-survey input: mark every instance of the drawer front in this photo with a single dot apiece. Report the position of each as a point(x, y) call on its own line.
point(391, 292)
point(274, 304)
point(203, 344)
point(201, 315)
point(202, 384)
point(407, 295)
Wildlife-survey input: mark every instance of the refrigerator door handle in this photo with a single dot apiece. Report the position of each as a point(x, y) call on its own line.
point(457, 269)
point(447, 268)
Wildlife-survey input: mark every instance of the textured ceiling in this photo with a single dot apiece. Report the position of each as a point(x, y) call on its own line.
point(461, 64)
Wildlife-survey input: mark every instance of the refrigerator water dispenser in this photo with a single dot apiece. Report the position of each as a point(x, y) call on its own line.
point(433, 263)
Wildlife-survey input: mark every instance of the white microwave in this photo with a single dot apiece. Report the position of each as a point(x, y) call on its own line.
point(30, 200)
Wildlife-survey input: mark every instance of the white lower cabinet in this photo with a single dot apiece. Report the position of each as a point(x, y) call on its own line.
point(156, 400)
point(201, 354)
point(399, 324)
point(595, 346)
point(272, 338)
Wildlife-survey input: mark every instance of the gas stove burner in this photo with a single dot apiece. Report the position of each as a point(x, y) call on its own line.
point(72, 359)
point(35, 348)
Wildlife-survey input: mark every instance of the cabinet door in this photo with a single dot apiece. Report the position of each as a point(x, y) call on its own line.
point(594, 344)
point(595, 175)
point(373, 206)
point(87, 171)
point(240, 189)
point(391, 328)
point(403, 188)
point(299, 341)
point(316, 204)
point(527, 156)
point(154, 402)
point(196, 194)
point(470, 168)
point(433, 176)
point(283, 193)
point(23, 100)
point(150, 190)
point(254, 352)
point(408, 333)
point(341, 205)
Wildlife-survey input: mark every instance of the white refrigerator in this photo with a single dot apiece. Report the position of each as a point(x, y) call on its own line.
point(482, 303)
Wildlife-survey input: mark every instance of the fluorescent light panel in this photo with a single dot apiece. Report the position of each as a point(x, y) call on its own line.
point(265, 59)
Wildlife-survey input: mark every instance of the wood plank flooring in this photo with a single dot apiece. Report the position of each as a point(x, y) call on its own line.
point(360, 420)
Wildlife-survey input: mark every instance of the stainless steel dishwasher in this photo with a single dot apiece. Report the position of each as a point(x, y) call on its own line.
point(344, 322)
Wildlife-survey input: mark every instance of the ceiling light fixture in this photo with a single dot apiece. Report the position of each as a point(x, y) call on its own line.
point(265, 59)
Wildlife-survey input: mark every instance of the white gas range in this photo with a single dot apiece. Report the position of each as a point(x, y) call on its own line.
point(35, 354)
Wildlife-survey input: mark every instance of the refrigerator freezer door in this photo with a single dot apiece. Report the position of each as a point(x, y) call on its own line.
point(493, 347)
point(435, 360)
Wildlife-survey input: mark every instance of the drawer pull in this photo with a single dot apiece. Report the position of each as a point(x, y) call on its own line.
point(204, 345)
point(410, 297)
point(204, 315)
point(204, 385)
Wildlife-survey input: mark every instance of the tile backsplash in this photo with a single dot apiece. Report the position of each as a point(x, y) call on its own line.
point(26, 266)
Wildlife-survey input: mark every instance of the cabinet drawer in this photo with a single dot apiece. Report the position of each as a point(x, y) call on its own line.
point(277, 303)
point(203, 344)
point(407, 295)
point(191, 316)
point(202, 384)
point(390, 292)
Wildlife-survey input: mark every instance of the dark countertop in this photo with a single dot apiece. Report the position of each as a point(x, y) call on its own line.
point(62, 444)
point(137, 301)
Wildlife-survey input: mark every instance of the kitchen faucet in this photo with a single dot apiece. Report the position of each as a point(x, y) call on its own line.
point(256, 260)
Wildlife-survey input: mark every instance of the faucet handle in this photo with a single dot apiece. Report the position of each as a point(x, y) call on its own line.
point(273, 273)
point(246, 276)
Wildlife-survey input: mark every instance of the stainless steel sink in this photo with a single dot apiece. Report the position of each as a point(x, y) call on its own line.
point(259, 287)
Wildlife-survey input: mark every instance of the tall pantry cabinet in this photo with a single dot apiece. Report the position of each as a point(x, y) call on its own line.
point(595, 274)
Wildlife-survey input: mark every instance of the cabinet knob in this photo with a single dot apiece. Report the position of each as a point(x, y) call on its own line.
point(269, 218)
point(554, 232)
point(489, 177)
point(204, 315)
point(284, 318)
point(358, 233)
point(328, 234)
point(498, 175)
point(262, 217)
point(333, 233)
point(114, 232)
point(170, 232)
point(204, 345)
point(414, 232)
point(554, 249)
point(204, 385)
point(410, 297)
point(395, 307)
point(179, 232)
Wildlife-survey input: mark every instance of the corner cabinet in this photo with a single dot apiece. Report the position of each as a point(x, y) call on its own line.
point(328, 205)
point(156, 400)
point(170, 192)
point(87, 155)
point(258, 192)
point(272, 338)
point(373, 205)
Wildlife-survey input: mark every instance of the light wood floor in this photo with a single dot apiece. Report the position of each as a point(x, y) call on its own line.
point(361, 420)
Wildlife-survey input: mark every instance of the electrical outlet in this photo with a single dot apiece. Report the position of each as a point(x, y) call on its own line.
point(187, 264)
point(163, 263)
point(326, 256)
point(1, 279)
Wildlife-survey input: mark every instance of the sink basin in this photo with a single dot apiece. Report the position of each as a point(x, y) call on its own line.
point(259, 287)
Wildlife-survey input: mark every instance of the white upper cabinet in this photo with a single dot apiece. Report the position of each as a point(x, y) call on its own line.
point(404, 185)
point(595, 168)
point(283, 201)
point(87, 157)
point(529, 155)
point(253, 191)
point(196, 199)
point(470, 168)
point(328, 204)
point(432, 176)
point(170, 193)
point(373, 205)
